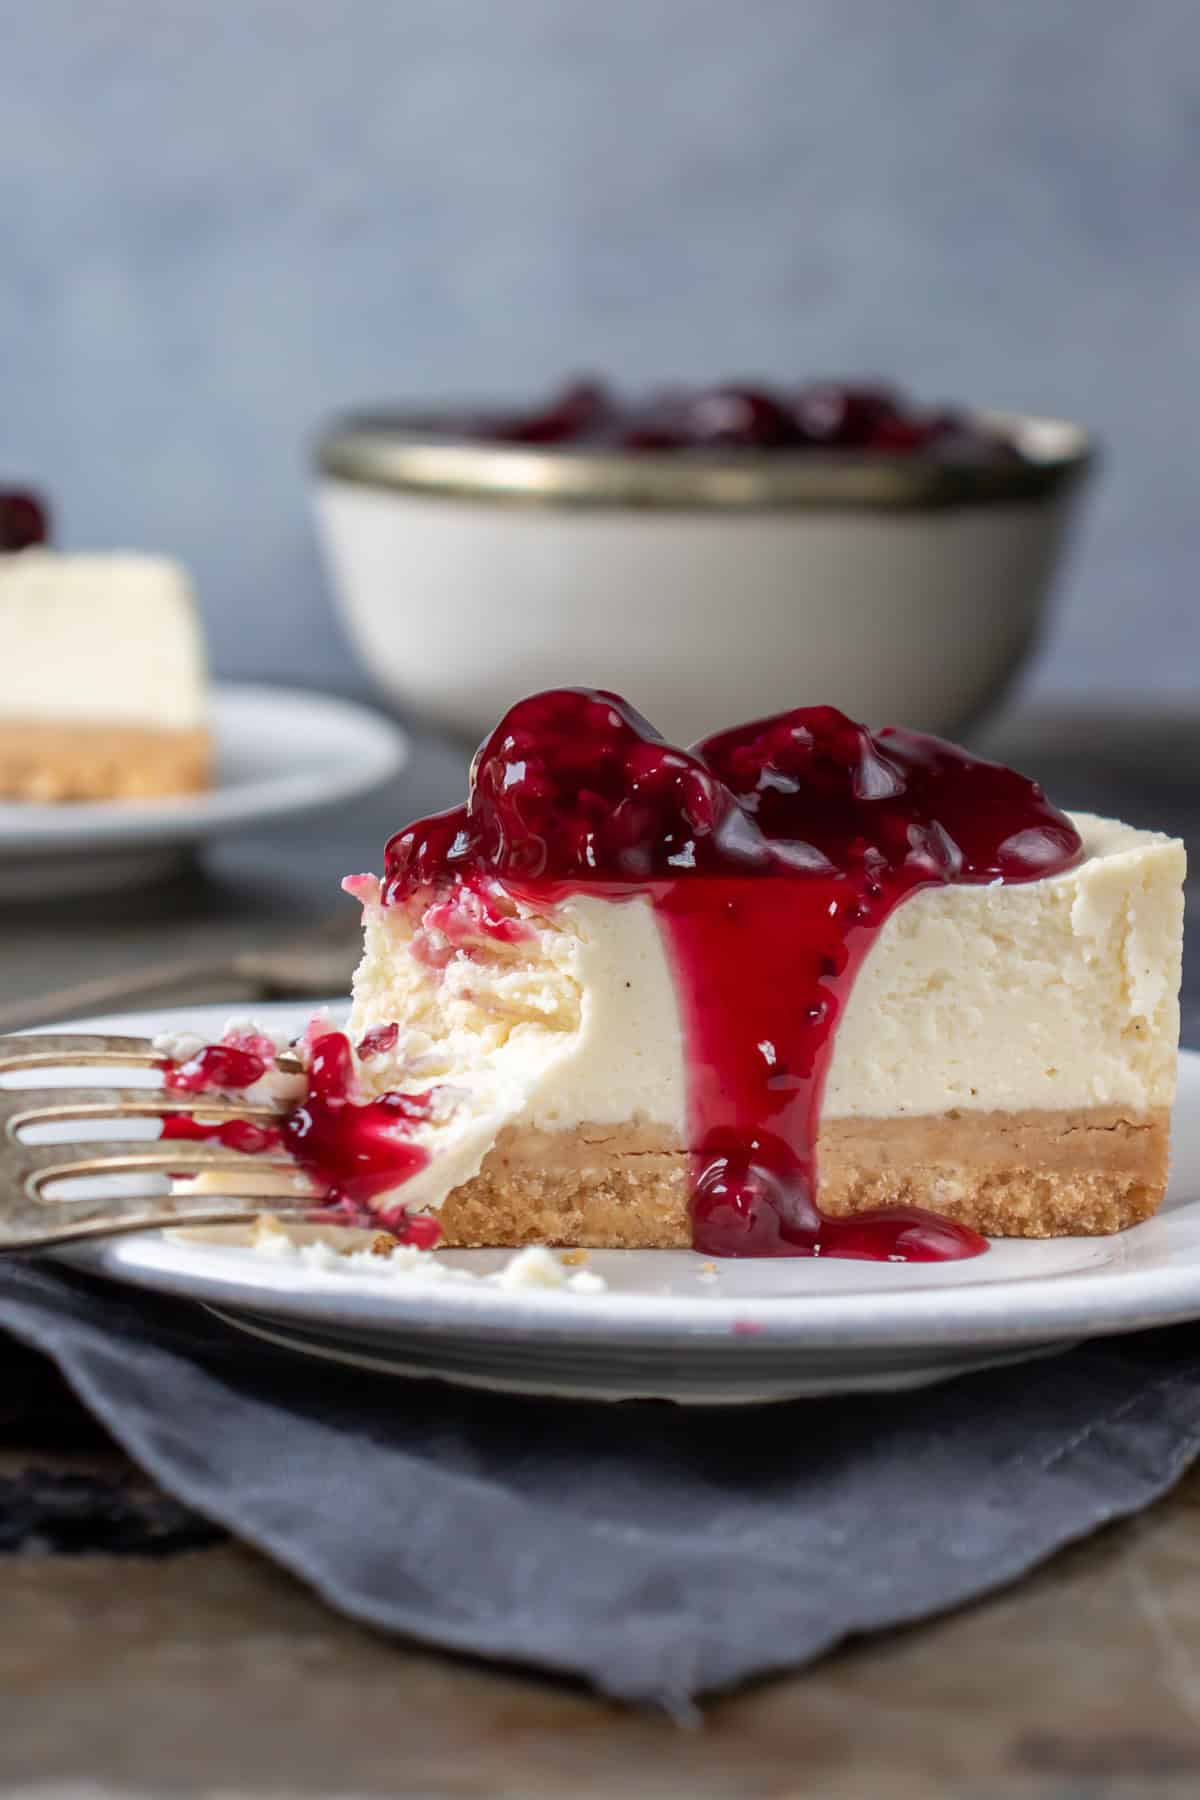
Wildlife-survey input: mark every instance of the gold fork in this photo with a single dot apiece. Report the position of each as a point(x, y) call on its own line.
point(33, 1219)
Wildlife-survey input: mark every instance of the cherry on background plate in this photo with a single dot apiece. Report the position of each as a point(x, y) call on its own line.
point(24, 519)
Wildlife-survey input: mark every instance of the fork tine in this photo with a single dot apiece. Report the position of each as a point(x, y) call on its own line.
point(25, 1106)
point(157, 1156)
point(209, 1183)
point(210, 1187)
point(33, 1225)
point(61, 1049)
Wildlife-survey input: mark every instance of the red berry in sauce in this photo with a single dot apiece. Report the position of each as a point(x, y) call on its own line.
point(24, 520)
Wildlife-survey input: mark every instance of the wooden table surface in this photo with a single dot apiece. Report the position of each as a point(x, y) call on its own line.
point(209, 1672)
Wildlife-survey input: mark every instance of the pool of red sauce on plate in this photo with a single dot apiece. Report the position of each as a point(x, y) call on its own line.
point(772, 855)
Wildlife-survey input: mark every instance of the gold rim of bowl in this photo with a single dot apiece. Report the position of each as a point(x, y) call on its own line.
point(403, 453)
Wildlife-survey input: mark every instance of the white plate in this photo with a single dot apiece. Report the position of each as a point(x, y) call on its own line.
point(762, 1330)
point(279, 752)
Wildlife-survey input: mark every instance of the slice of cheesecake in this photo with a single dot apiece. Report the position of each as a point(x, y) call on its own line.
point(761, 997)
point(103, 684)
point(1006, 1057)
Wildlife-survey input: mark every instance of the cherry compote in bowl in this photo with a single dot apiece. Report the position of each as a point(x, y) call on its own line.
point(711, 552)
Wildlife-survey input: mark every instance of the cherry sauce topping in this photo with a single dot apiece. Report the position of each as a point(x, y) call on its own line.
point(246, 1135)
point(355, 1149)
point(378, 1041)
point(772, 854)
point(24, 520)
point(861, 417)
point(358, 1149)
point(216, 1066)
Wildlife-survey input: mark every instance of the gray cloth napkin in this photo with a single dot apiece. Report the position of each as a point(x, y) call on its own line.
point(656, 1552)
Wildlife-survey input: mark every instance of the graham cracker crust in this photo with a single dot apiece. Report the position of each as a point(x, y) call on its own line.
point(1036, 1174)
point(43, 761)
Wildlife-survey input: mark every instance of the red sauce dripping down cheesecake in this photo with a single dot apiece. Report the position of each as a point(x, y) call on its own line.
point(772, 855)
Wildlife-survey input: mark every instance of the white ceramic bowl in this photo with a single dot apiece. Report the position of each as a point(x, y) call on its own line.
point(705, 588)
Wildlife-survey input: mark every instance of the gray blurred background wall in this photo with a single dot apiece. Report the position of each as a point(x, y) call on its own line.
point(219, 221)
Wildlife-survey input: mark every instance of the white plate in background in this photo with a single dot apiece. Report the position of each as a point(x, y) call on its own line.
point(279, 752)
point(762, 1330)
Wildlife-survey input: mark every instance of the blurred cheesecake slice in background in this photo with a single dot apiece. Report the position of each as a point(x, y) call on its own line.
point(103, 678)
